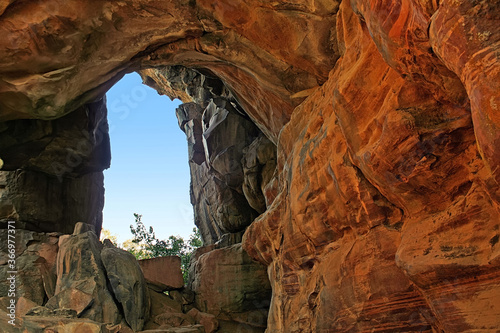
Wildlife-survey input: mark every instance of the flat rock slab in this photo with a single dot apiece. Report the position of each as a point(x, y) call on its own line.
point(59, 324)
point(184, 329)
point(164, 272)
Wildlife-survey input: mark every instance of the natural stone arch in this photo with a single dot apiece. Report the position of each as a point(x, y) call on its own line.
point(62, 61)
point(390, 166)
point(72, 52)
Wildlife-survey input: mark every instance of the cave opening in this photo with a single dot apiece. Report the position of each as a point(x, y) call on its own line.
point(52, 187)
point(149, 172)
point(226, 164)
point(381, 215)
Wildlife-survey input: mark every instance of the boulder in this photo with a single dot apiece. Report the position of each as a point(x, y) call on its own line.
point(35, 255)
point(5, 322)
point(127, 284)
point(160, 304)
point(231, 286)
point(24, 305)
point(71, 298)
point(209, 322)
point(163, 272)
point(80, 267)
point(184, 296)
point(46, 246)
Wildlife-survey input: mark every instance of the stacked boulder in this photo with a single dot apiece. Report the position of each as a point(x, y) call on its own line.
point(75, 283)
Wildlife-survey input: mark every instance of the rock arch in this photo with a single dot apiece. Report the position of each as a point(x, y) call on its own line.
point(383, 211)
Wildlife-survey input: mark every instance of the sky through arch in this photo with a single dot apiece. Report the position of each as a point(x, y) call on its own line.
point(149, 171)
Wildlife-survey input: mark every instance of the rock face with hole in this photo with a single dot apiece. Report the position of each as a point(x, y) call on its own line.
point(374, 203)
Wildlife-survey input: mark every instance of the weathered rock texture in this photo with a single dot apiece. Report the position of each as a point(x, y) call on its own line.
point(354, 143)
point(163, 272)
point(231, 162)
point(81, 273)
point(74, 283)
point(53, 169)
point(127, 284)
point(230, 159)
point(230, 285)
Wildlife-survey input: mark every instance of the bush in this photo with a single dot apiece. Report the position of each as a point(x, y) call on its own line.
point(145, 245)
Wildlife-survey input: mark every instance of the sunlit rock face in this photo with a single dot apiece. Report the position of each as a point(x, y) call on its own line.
point(372, 194)
point(387, 217)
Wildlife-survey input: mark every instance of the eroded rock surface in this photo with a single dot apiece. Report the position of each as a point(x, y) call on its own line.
point(35, 255)
point(385, 214)
point(382, 213)
point(163, 272)
point(80, 268)
point(52, 170)
point(74, 283)
point(230, 285)
point(220, 136)
point(127, 284)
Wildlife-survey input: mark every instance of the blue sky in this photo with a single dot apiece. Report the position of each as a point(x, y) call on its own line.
point(149, 172)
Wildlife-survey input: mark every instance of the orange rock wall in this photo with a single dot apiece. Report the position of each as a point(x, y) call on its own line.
point(387, 218)
point(383, 215)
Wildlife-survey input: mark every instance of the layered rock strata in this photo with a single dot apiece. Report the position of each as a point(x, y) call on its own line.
point(382, 213)
point(231, 160)
point(230, 285)
point(52, 170)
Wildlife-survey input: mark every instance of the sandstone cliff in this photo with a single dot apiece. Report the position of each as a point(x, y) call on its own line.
point(352, 147)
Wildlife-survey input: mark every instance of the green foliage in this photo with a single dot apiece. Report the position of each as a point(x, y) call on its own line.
point(106, 234)
point(145, 245)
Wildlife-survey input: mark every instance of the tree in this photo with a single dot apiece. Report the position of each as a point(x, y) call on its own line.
point(106, 234)
point(145, 245)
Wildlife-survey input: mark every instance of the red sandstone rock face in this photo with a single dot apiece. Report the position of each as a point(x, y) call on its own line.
point(386, 218)
point(464, 36)
point(45, 54)
point(231, 286)
point(383, 214)
point(50, 44)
